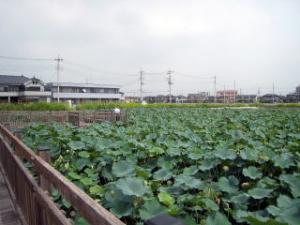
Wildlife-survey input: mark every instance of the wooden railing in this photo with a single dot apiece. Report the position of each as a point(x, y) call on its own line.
point(21, 119)
point(33, 203)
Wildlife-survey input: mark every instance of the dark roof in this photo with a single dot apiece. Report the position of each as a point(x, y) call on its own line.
point(13, 80)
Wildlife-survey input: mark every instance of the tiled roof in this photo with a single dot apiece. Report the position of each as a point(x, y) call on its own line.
point(13, 80)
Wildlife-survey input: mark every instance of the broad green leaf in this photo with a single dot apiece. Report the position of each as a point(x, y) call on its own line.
point(210, 204)
point(217, 219)
point(162, 174)
point(285, 160)
point(76, 145)
point(228, 185)
point(252, 172)
point(294, 183)
point(84, 154)
point(122, 168)
point(74, 176)
point(132, 186)
point(96, 190)
point(166, 199)
point(225, 154)
point(259, 193)
point(86, 181)
point(150, 209)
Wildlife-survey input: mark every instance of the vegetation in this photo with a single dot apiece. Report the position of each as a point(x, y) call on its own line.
point(123, 105)
point(34, 106)
point(42, 106)
point(214, 167)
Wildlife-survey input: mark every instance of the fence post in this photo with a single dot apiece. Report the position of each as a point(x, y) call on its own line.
point(17, 132)
point(163, 219)
point(43, 152)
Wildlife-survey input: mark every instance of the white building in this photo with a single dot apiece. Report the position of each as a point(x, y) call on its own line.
point(24, 89)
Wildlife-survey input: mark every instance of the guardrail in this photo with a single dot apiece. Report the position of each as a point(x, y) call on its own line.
point(33, 203)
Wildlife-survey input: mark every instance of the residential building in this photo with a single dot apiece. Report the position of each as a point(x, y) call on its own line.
point(83, 92)
point(226, 96)
point(271, 98)
point(198, 97)
point(293, 97)
point(22, 89)
point(246, 98)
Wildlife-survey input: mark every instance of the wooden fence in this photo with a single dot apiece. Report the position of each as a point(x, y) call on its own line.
point(20, 119)
point(33, 203)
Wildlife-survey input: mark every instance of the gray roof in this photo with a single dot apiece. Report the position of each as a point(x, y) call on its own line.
point(13, 80)
point(84, 85)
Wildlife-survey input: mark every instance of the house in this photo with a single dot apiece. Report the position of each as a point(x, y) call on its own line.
point(22, 89)
point(83, 92)
point(198, 97)
point(226, 96)
point(246, 98)
point(271, 98)
point(293, 97)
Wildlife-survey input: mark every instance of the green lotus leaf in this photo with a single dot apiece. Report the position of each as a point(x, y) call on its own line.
point(291, 214)
point(217, 219)
point(259, 193)
point(74, 176)
point(155, 151)
point(225, 154)
point(208, 164)
point(294, 183)
point(284, 161)
point(229, 185)
point(150, 209)
point(84, 154)
point(166, 199)
point(122, 168)
point(162, 174)
point(96, 190)
point(132, 186)
point(80, 221)
point(210, 204)
point(188, 181)
point(86, 181)
point(76, 145)
point(249, 154)
point(252, 172)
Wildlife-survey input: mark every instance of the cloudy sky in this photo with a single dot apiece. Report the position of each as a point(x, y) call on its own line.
point(253, 43)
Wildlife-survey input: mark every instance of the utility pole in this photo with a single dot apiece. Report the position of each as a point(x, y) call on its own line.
point(273, 93)
point(169, 73)
point(224, 94)
point(58, 61)
point(258, 94)
point(141, 85)
point(234, 98)
point(215, 87)
point(242, 97)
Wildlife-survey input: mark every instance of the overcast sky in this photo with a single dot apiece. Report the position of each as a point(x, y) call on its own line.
point(251, 42)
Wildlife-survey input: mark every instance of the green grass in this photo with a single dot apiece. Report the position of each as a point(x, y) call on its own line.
point(42, 106)
point(39, 106)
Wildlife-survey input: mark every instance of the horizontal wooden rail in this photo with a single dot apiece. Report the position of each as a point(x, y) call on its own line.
point(85, 205)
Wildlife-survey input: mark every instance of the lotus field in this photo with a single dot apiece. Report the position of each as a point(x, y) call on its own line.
point(204, 166)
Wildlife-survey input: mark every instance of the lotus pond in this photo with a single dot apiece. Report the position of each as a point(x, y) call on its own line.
point(205, 166)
